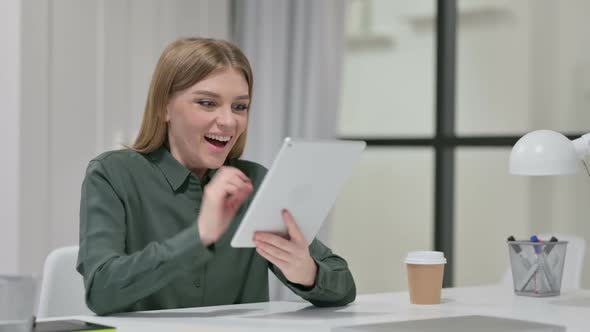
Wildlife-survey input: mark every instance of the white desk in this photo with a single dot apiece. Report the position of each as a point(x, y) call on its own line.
point(571, 309)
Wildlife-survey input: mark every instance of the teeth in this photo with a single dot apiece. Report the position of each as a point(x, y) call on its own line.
point(219, 138)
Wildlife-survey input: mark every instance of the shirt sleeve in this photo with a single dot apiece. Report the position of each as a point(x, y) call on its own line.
point(113, 278)
point(334, 284)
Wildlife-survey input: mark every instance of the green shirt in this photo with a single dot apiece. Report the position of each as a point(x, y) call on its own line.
point(140, 248)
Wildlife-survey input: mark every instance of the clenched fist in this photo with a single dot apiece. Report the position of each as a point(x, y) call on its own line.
point(226, 192)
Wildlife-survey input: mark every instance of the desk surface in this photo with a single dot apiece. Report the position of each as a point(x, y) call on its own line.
point(571, 309)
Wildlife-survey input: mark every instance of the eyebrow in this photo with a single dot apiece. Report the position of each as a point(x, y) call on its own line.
point(213, 94)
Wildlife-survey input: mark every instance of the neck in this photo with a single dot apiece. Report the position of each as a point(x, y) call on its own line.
point(199, 172)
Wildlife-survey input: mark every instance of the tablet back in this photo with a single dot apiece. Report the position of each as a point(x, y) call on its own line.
point(305, 178)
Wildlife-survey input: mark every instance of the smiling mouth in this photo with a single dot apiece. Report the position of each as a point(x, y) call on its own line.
point(218, 141)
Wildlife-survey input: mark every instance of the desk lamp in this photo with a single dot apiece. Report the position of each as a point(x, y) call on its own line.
point(546, 152)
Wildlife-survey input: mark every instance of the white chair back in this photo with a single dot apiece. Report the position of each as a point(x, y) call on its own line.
point(62, 287)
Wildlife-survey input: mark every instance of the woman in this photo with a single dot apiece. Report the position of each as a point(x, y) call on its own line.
point(156, 220)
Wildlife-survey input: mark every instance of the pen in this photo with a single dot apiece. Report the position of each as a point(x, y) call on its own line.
point(523, 269)
point(552, 260)
point(514, 246)
point(549, 247)
point(542, 271)
point(537, 278)
point(518, 250)
point(537, 248)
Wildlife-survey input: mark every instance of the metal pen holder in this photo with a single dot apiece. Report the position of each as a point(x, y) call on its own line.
point(537, 268)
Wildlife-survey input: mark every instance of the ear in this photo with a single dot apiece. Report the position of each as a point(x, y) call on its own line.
point(167, 115)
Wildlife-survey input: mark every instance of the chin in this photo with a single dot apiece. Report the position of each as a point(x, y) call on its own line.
point(214, 164)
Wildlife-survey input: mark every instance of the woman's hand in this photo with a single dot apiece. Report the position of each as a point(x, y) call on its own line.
point(291, 255)
point(222, 197)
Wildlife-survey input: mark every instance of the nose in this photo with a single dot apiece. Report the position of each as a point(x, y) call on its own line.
point(225, 118)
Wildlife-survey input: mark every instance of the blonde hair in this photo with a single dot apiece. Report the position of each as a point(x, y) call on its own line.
point(182, 64)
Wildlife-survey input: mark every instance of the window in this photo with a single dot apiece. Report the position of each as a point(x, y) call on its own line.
point(443, 155)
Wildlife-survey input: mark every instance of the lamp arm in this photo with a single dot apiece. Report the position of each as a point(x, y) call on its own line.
point(582, 146)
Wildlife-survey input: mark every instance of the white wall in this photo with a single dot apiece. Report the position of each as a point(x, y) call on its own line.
point(34, 143)
point(10, 92)
point(85, 71)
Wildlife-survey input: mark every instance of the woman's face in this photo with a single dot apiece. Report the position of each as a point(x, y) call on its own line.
point(205, 120)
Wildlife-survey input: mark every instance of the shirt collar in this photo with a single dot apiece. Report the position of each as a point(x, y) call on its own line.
point(175, 173)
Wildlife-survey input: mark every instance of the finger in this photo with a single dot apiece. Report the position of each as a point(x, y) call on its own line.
point(276, 241)
point(221, 191)
point(242, 193)
point(244, 189)
point(237, 181)
point(237, 192)
point(275, 261)
point(234, 172)
point(292, 227)
point(237, 199)
point(230, 196)
point(274, 251)
point(233, 202)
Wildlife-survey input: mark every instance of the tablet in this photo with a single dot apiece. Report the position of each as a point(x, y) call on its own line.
point(305, 178)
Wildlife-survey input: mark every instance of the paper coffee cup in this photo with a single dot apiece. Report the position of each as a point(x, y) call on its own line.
point(425, 276)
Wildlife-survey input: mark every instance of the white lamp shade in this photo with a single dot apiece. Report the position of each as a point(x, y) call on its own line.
point(544, 152)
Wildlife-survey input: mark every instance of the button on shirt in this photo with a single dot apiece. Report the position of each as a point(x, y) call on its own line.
point(140, 248)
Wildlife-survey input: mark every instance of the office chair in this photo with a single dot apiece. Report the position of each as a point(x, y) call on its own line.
point(574, 262)
point(62, 288)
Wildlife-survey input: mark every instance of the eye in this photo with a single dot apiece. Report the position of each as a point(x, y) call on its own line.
point(205, 103)
point(240, 107)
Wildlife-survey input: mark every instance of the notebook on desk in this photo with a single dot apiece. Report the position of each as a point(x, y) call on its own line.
point(457, 324)
point(71, 326)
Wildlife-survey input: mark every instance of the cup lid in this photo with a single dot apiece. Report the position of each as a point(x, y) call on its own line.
point(425, 257)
